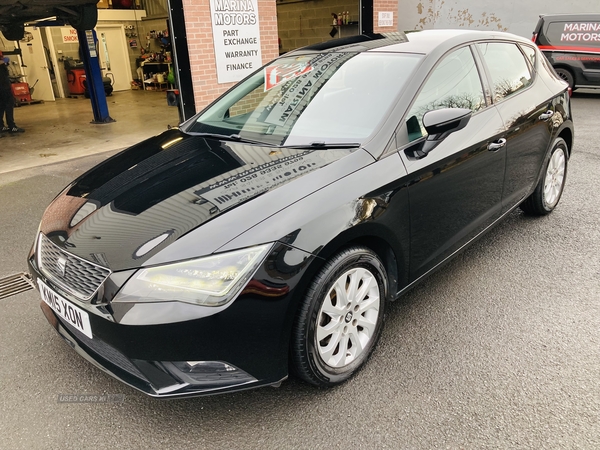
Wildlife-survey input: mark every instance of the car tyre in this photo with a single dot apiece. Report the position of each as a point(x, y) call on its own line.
point(86, 18)
point(566, 75)
point(340, 318)
point(550, 187)
point(14, 33)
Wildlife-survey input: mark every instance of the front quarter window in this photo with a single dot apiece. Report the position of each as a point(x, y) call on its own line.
point(328, 97)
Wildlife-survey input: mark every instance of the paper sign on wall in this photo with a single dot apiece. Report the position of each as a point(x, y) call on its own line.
point(69, 35)
point(236, 36)
point(386, 19)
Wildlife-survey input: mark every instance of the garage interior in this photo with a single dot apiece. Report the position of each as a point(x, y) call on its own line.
point(135, 57)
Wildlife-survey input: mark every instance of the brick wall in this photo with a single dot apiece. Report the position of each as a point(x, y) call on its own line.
point(385, 5)
point(201, 47)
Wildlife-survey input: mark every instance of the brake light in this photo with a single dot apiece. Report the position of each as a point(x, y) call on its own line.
point(534, 37)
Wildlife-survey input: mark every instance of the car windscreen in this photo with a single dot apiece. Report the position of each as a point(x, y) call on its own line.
point(575, 34)
point(316, 98)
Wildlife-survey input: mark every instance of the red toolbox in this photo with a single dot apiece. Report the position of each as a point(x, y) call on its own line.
point(75, 78)
point(21, 92)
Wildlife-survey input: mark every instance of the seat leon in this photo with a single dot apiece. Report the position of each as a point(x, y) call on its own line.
point(267, 233)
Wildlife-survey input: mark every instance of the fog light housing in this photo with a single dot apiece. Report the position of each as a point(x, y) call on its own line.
point(209, 373)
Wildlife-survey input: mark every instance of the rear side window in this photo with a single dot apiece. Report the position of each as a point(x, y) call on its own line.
point(454, 83)
point(574, 34)
point(508, 68)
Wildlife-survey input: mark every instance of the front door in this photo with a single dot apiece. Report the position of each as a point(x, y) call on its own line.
point(114, 60)
point(455, 192)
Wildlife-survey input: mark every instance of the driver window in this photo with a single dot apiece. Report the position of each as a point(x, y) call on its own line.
point(454, 83)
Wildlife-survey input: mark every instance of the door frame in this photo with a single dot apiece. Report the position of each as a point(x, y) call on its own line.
point(54, 61)
point(36, 59)
point(123, 45)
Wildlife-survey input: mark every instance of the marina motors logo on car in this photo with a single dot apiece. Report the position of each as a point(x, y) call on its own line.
point(581, 32)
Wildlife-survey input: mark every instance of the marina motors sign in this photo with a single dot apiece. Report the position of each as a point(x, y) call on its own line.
point(236, 37)
point(581, 32)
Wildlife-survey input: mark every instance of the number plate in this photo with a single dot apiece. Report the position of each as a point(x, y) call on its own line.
point(75, 316)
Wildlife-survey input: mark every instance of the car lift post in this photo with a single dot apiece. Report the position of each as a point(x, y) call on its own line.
point(93, 75)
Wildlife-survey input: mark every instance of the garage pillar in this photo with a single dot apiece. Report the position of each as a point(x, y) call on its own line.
point(93, 75)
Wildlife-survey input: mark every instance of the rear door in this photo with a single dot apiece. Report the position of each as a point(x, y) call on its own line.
point(527, 111)
point(456, 190)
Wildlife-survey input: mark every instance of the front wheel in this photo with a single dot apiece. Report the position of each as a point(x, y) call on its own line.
point(549, 189)
point(340, 318)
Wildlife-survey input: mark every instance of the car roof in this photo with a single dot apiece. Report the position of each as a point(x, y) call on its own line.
point(422, 42)
point(571, 16)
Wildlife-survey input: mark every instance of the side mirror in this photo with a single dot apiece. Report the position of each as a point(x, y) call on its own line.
point(440, 123)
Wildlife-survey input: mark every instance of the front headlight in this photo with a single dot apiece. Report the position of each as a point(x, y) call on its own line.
point(210, 281)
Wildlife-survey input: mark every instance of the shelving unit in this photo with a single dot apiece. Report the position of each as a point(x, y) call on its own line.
point(348, 29)
point(152, 68)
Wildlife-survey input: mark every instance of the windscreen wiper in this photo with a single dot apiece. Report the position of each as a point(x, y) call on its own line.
point(324, 145)
point(230, 137)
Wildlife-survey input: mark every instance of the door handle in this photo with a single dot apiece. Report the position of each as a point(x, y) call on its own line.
point(497, 145)
point(546, 115)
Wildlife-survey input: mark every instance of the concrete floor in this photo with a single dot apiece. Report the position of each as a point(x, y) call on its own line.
point(62, 130)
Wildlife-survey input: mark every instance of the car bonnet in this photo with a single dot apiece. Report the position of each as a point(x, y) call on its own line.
point(127, 209)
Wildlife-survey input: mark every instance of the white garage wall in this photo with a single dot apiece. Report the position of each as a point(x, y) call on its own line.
point(518, 17)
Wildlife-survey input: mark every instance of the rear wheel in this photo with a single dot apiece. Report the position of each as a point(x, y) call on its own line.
point(549, 189)
point(566, 76)
point(14, 32)
point(341, 318)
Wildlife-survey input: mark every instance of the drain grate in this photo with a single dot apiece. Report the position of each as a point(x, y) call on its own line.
point(15, 284)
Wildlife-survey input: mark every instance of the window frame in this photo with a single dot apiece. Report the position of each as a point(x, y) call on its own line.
point(401, 132)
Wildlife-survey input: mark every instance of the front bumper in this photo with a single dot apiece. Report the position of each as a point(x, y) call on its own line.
point(248, 340)
point(150, 377)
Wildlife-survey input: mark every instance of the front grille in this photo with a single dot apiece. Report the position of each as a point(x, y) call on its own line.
point(77, 276)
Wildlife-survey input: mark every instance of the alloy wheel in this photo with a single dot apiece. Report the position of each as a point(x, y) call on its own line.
point(347, 319)
point(555, 175)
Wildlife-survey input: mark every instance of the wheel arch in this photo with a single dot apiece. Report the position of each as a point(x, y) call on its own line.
point(569, 69)
point(567, 135)
point(393, 257)
point(382, 249)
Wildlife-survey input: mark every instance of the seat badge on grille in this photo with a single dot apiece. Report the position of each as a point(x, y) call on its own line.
point(62, 265)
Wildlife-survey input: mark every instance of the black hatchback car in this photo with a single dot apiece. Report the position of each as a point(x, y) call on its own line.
point(269, 231)
point(571, 42)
